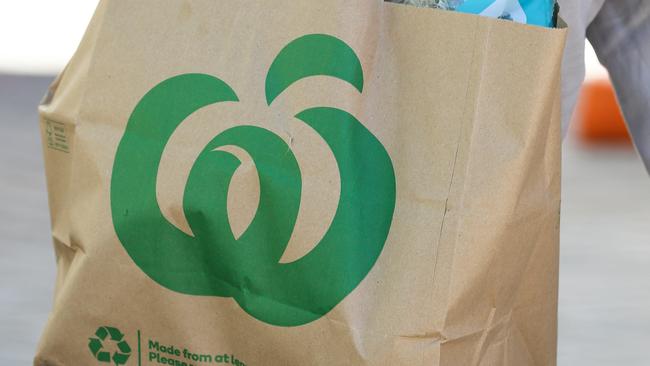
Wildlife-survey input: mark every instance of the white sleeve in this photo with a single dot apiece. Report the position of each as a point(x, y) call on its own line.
point(578, 14)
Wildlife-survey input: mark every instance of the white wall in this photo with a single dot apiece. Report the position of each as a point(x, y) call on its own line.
point(39, 36)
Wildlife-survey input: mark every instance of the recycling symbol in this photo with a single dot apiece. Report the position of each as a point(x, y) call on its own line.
point(103, 337)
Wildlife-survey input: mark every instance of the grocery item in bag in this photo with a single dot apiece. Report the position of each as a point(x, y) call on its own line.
point(534, 12)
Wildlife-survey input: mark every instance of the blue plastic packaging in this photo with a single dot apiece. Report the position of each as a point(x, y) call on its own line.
point(534, 12)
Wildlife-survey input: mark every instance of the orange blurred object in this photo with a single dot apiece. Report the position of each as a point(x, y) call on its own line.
point(598, 115)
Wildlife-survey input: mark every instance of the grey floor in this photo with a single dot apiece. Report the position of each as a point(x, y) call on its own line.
point(605, 278)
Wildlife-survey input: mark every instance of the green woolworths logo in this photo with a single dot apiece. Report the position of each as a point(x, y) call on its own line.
point(212, 262)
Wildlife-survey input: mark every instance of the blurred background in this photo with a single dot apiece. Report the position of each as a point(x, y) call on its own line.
point(605, 255)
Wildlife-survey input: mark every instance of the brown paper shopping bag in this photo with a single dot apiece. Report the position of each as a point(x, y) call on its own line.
point(303, 183)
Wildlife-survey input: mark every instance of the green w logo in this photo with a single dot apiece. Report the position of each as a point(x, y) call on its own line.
point(212, 261)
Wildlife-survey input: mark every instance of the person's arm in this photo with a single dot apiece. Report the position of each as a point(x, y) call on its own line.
point(620, 34)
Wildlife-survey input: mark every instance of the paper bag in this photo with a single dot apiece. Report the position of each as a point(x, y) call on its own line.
point(303, 183)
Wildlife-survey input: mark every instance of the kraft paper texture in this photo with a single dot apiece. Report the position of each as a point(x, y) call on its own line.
point(304, 183)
